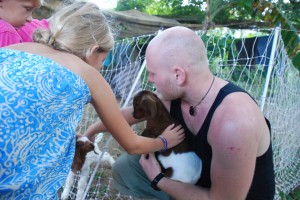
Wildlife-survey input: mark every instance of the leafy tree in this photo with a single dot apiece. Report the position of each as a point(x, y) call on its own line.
point(231, 13)
point(133, 4)
point(273, 14)
point(165, 8)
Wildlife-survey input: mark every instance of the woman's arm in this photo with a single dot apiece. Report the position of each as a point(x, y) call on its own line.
point(113, 120)
point(98, 126)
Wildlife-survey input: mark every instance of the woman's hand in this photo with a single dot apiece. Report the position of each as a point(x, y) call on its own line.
point(174, 135)
point(78, 135)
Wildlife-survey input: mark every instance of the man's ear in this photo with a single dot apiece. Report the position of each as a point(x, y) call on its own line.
point(180, 75)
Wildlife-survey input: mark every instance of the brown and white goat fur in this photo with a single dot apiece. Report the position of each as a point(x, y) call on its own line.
point(180, 162)
point(86, 153)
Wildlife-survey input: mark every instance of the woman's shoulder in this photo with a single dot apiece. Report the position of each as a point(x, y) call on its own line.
point(61, 57)
point(64, 59)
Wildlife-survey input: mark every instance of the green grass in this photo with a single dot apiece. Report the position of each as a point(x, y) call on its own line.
point(295, 195)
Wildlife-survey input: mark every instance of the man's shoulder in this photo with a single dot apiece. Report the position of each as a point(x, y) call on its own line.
point(237, 113)
point(239, 100)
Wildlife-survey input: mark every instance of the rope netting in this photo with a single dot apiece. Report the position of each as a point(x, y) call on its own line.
point(245, 58)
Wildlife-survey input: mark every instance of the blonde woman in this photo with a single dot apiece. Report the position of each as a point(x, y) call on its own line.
point(43, 89)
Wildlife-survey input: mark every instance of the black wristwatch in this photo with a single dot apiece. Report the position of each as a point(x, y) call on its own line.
point(156, 180)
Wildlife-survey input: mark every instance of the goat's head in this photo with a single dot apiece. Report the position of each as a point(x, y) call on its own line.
point(145, 105)
point(84, 145)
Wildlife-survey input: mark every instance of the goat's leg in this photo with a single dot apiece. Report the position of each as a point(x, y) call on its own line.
point(68, 185)
point(108, 158)
point(83, 180)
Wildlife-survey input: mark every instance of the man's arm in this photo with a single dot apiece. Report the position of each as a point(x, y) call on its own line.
point(98, 126)
point(176, 189)
point(234, 136)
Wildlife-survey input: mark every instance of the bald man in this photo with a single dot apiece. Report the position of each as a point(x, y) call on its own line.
point(229, 132)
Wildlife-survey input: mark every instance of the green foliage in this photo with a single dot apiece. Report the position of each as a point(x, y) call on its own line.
point(292, 196)
point(291, 11)
point(228, 12)
point(160, 8)
point(133, 4)
point(167, 8)
point(231, 11)
point(220, 52)
point(289, 33)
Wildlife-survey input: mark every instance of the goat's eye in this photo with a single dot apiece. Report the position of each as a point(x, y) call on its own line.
point(79, 144)
point(136, 103)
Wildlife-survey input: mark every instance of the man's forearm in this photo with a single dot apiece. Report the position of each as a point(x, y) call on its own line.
point(95, 128)
point(183, 191)
point(98, 126)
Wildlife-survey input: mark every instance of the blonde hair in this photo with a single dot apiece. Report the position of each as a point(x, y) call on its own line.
point(76, 29)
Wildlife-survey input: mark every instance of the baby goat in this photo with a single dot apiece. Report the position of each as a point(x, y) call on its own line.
point(86, 153)
point(180, 162)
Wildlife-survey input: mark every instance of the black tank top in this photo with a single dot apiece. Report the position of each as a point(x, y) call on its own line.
point(263, 183)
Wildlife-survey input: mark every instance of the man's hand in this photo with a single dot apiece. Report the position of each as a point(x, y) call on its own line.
point(150, 165)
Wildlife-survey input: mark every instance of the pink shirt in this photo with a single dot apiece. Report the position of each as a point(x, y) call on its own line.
point(27, 30)
point(8, 34)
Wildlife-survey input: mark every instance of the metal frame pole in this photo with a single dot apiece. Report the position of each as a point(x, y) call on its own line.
point(270, 67)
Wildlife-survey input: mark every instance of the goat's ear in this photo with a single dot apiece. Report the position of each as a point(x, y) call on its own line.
point(149, 104)
point(153, 109)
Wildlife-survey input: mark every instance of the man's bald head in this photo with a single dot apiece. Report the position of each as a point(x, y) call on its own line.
point(178, 46)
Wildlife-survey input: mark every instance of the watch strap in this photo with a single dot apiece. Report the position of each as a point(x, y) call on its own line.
point(156, 180)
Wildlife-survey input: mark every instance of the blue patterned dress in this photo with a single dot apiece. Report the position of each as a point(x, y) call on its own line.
point(41, 104)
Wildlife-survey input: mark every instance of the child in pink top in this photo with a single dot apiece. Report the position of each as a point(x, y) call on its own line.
point(13, 16)
point(8, 34)
point(27, 30)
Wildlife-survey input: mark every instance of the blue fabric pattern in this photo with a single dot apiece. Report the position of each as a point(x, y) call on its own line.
point(41, 104)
